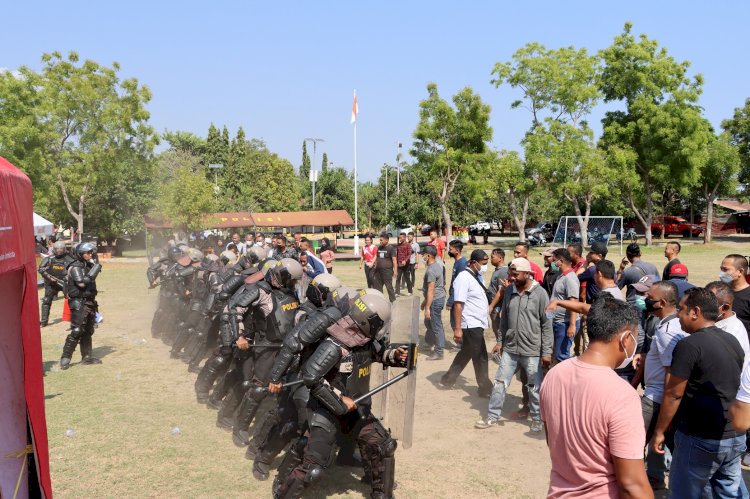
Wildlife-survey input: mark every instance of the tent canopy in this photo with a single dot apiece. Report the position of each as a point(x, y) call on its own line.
point(42, 226)
point(22, 392)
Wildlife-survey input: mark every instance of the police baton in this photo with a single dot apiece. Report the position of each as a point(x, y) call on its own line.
point(411, 364)
point(264, 389)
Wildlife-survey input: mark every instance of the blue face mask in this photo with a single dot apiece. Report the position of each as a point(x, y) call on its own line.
point(554, 267)
point(640, 303)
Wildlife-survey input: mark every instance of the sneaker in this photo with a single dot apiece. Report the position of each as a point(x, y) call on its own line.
point(745, 463)
point(89, 360)
point(435, 356)
point(483, 424)
point(537, 426)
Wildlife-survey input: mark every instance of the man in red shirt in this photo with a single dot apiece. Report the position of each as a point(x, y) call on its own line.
point(522, 251)
point(403, 255)
point(437, 242)
point(576, 254)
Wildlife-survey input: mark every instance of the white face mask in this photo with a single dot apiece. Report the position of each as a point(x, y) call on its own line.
point(628, 358)
point(482, 269)
point(725, 277)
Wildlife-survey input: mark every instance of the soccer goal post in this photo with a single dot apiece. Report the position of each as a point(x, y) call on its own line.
point(609, 230)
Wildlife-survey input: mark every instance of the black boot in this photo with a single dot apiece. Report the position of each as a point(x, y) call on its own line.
point(215, 366)
point(180, 341)
point(45, 314)
point(225, 418)
point(68, 348)
point(249, 407)
point(86, 349)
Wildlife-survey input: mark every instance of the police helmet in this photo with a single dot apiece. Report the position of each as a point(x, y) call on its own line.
point(266, 265)
point(174, 253)
point(228, 257)
point(321, 287)
point(59, 247)
point(286, 272)
point(374, 292)
point(194, 254)
point(256, 253)
point(370, 312)
point(84, 248)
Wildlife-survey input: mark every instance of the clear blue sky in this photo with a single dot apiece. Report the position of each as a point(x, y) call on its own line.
point(286, 70)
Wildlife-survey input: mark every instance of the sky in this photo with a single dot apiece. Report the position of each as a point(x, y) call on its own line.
point(285, 71)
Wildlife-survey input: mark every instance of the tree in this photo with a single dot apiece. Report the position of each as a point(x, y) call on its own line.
point(558, 83)
point(324, 164)
point(84, 122)
point(304, 169)
point(451, 143)
point(217, 147)
point(186, 195)
point(516, 179)
point(661, 139)
point(335, 190)
point(571, 166)
point(719, 175)
point(738, 128)
point(305, 186)
point(185, 141)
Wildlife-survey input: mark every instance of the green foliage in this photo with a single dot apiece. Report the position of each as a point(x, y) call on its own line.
point(451, 143)
point(186, 195)
point(324, 164)
point(217, 146)
point(560, 82)
point(738, 128)
point(335, 189)
point(185, 141)
point(86, 131)
point(660, 141)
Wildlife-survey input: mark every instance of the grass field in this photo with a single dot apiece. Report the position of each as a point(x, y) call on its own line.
point(112, 428)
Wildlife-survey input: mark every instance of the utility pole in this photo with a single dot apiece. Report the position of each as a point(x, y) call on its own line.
point(216, 167)
point(398, 167)
point(313, 170)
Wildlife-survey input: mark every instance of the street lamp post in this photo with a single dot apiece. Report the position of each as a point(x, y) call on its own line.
point(398, 167)
point(313, 171)
point(216, 167)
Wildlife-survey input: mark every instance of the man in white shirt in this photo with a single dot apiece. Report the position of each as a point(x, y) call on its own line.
point(470, 311)
point(661, 302)
point(728, 320)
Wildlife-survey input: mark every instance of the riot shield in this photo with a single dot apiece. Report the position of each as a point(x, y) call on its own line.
point(395, 405)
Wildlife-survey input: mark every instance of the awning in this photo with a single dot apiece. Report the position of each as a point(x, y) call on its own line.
point(733, 205)
point(42, 226)
point(321, 218)
point(240, 219)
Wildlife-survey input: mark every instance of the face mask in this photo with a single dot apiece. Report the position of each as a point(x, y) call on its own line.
point(651, 305)
point(554, 267)
point(640, 303)
point(482, 269)
point(425, 260)
point(628, 358)
point(453, 255)
point(725, 278)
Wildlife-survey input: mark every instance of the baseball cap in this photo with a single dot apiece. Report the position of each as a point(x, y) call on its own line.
point(678, 270)
point(428, 249)
point(478, 255)
point(521, 265)
point(548, 251)
point(599, 248)
point(644, 283)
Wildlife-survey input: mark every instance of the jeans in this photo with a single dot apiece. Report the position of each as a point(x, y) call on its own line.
point(703, 467)
point(505, 371)
point(435, 334)
point(562, 341)
point(656, 464)
point(474, 349)
point(412, 274)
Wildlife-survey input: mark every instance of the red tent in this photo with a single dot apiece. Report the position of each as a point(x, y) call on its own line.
point(23, 428)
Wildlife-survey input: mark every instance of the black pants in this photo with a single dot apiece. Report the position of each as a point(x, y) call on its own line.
point(474, 349)
point(368, 277)
point(412, 274)
point(404, 276)
point(384, 277)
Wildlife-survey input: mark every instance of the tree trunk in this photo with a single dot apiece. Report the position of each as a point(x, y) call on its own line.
point(447, 218)
point(641, 218)
point(583, 219)
point(520, 222)
point(710, 198)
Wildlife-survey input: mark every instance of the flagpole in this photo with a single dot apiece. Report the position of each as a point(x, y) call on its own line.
point(356, 208)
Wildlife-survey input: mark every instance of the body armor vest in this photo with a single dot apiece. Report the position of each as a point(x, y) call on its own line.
point(77, 271)
point(281, 319)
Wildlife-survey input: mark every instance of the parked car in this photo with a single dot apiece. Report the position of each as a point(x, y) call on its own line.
point(480, 226)
point(675, 226)
point(546, 229)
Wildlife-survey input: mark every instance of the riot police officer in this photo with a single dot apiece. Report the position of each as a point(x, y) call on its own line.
point(53, 269)
point(289, 419)
point(273, 304)
point(81, 294)
point(336, 374)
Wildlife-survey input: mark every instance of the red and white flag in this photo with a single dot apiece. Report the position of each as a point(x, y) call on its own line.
point(355, 109)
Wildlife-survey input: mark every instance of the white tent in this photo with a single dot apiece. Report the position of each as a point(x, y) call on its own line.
point(42, 226)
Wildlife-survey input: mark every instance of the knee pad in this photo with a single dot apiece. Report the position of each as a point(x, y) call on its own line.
point(313, 473)
point(388, 447)
point(76, 332)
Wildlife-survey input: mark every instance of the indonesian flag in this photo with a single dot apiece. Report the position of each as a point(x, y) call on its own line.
point(355, 108)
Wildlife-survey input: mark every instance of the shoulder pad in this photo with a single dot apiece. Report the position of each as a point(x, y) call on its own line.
point(245, 296)
point(232, 284)
point(264, 286)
